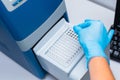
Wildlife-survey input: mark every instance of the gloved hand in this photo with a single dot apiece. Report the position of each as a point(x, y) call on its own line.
point(94, 38)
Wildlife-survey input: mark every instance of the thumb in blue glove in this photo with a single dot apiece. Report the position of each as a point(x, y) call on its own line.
point(94, 38)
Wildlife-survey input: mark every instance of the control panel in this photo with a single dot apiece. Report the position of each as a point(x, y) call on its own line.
point(12, 4)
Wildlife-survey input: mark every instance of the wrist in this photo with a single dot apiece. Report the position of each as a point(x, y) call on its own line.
point(97, 61)
point(101, 55)
point(99, 69)
point(95, 50)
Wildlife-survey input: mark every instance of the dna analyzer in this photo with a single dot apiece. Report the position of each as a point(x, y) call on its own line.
point(45, 38)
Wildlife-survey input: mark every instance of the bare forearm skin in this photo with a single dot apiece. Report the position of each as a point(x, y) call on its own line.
point(99, 69)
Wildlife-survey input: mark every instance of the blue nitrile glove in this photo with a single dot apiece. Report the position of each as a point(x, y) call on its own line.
point(93, 37)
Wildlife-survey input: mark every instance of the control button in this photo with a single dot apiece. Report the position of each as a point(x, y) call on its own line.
point(115, 38)
point(116, 53)
point(111, 51)
point(115, 47)
point(16, 2)
point(114, 43)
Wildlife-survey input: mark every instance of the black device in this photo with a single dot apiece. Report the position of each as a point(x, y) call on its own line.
point(115, 42)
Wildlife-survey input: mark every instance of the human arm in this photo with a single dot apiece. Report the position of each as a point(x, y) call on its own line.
point(94, 39)
point(98, 72)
